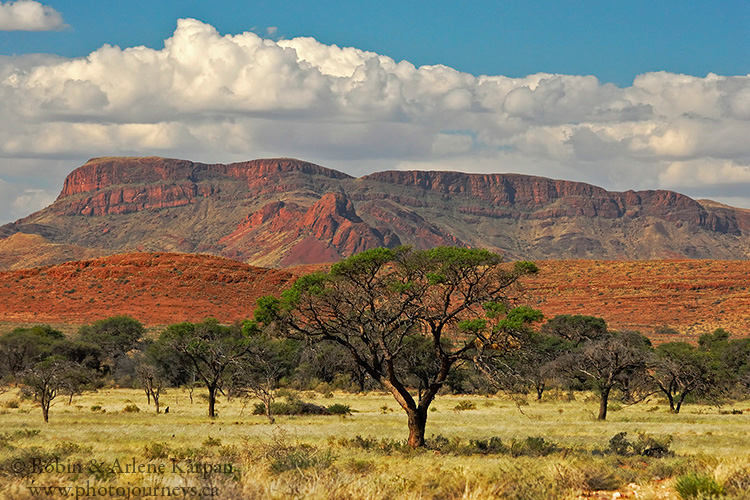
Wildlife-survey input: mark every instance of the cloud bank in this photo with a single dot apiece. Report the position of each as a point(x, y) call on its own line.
point(210, 97)
point(28, 15)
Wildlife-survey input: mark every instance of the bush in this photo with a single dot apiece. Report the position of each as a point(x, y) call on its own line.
point(28, 461)
point(339, 409)
point(292, 406)
point(383, 445)
point(493, 446)
point(211, 442)
point(285, 456)
point(532, 447)
point(465, 405)
point(646, 445)
point(156, 450)
point(698, 486)
point(131, 408)
point(738, 483)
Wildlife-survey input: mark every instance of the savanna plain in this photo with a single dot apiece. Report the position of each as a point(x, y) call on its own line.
point(111, 444)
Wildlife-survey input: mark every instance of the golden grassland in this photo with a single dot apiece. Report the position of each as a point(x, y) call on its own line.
point(243, 456)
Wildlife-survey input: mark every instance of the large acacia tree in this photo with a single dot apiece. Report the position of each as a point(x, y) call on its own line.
point(405, 315)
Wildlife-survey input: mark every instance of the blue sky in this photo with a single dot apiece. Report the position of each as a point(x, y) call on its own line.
point(625, 95)
point(615, 41)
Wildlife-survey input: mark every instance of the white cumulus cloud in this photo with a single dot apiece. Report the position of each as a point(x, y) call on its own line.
point(29, 15)
point(213, 97)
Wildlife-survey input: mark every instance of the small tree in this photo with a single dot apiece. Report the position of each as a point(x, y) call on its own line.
point(47, 379)
point(266, 362)
point(576, 328)
point(532, 366)
point(115, 336)
point(680, 369)
point(152, 382)
point(214, 350)
point(607, 361)
point(735, 365)
point(399, 312)
point(23, 348)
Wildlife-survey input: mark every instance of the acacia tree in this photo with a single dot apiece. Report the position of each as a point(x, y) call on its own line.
point(22, 348)
point(267, 360)
point(680, 369)
point(532, 367)
point(47, 379)
point(607, 361)
point(214, 350)
point(373, 304)
point(152, 382)
point(115, 336)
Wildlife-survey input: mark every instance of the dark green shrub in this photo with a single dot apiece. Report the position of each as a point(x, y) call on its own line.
point(493, 446)
point(646, 445)
point(292, 406)
point(698, 486)
point(649, 445)
point(339, 409)
point(532, 447)
point(619, 444)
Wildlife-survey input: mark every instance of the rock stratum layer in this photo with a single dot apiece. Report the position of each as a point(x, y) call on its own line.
point(286, 212)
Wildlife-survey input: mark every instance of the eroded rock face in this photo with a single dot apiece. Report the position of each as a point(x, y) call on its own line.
point(325, 232)
point(278, 212)
point(528, 197)
point(114, 186)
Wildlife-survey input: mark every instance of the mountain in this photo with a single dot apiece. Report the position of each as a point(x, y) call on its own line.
point(690, 296)
point(286, 212)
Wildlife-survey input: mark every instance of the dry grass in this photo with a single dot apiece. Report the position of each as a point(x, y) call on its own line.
point(307, 457)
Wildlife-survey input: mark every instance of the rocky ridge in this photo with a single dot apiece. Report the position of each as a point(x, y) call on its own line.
point(284, 212)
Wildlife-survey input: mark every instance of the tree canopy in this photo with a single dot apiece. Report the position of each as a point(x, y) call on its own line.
point(403, 314)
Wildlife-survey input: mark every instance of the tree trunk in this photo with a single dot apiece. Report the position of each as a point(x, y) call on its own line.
point(672, 408)
point(156, 401)
point(417, 420)
point(270, 418)
point(603, 403)
point(361, 377)
point(679, 402)
point(212, 402)
point(539, 391)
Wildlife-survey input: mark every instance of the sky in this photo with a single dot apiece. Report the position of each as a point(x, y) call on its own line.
point(621, 94)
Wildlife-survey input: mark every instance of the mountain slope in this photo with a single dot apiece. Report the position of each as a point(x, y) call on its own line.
point(285, 212)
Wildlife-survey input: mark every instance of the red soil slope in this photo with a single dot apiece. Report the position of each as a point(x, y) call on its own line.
point(692, 296)
point(156, 289)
